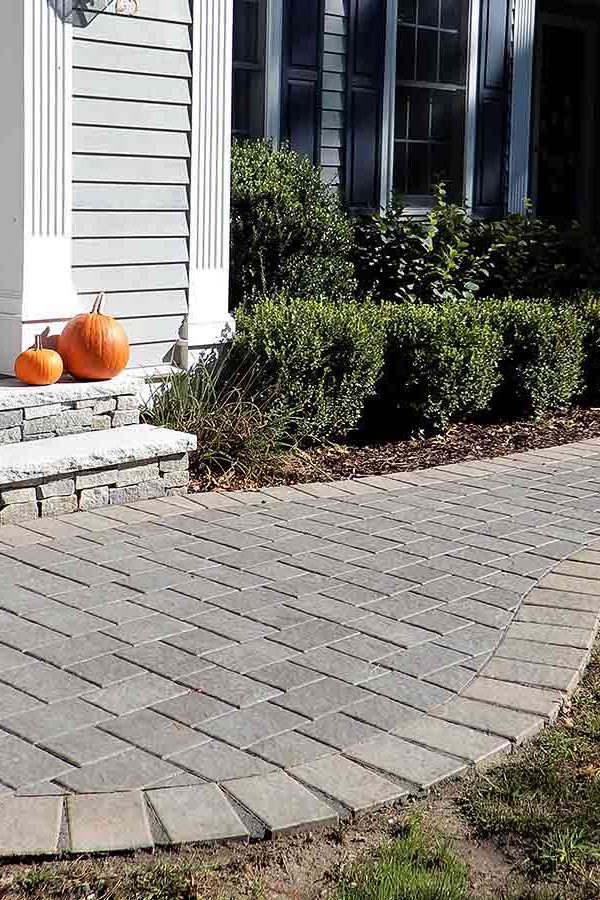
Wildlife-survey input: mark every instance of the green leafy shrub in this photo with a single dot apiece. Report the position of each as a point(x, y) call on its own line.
point(441, 364)
point(241, 428)
point(448, 255)
point(589, 311)
point(322, 358)
point(542, 357)
point(288, 230)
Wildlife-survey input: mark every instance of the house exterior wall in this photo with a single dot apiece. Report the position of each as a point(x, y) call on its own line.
point(131, 170)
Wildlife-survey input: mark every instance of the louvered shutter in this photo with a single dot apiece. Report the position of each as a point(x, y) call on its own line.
point(492, 109)
point(301, 76)
point(366, 54)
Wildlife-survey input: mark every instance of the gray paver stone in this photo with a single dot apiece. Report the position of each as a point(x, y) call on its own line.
point(352, 785)
point(515, 696)
point(535, 674)
point(457, 740)
point(280, 802)
point(196, 813)
point(29, 826)
point(117, 821)
point(410, 762)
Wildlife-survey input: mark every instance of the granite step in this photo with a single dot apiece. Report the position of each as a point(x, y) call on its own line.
point(29, 413)
point(85, 471)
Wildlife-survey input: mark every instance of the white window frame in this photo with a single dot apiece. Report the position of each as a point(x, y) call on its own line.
point(519, 158)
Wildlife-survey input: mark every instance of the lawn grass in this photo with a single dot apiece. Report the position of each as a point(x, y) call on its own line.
point(545, 801)
point(418, 865)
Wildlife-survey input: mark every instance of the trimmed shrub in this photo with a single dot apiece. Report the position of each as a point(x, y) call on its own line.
point(323, 358)
point(589, 312)
point(542, 357)
point(441, 364)
point(288, 230)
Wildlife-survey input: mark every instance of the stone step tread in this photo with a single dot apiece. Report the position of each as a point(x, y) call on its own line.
point(15, 395)
point(24, 462)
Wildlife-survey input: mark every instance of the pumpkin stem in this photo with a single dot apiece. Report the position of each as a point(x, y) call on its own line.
point(38, 342)
point(97, 307)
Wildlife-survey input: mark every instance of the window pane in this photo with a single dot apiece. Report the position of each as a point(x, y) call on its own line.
point(418, 128)
point(429, 11)
point(418, 169)
point(427, 55)
point(248, 68)
point(450, 58)
point(407, 11)
point(406, 54)
point(452, 13)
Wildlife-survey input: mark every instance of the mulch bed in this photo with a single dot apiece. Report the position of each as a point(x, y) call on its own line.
point(463, 442)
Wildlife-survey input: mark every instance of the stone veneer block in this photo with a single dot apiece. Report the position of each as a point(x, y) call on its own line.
point(146, 490)
point(93, 498)
point(17, 495)
point(58, 506)
point(106, 406)
point(96, 479)
point(101, 423)
point(90, 451)
point(43, 412)
point(108, 822)
point(125, 417)
point(176, 479)
point(10, 435)
point(29, 825)
point(137, 474)
point(18, 512)
point(11, 418)
point(175, 463)
point(196, 813)
point(58, 487)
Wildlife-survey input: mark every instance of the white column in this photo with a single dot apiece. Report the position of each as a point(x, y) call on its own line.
point(210, 177)
point(389, 104)
point(521, 100)
point(35, 172)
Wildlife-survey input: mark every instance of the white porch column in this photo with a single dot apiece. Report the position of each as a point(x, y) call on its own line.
point(521, 100)
point(210, 176)
point(35, 172)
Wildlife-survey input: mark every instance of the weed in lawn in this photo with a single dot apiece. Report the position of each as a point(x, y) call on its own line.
point(415, 866)
point(546, 801)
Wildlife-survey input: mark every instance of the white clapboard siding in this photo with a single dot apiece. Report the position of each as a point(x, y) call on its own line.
point(144, 303)
point(130, 169)
point(129, 224)
point(125, 86)
point(123, 251)
point(142, 60)
point(128, 142)
point(165, 10)
point(131, 150)
point(129, 196)
point(138, 32)
point(130, 114)
point(333, 103)
point(90, 279)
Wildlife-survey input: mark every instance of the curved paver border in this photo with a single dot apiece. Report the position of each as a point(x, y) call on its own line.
point(534, 668)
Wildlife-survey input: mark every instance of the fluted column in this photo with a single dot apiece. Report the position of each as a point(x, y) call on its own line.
point(521, 102)
point(210, 176)
point(35, 172)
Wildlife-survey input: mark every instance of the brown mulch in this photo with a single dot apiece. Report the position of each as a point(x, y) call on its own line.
point(462, 442)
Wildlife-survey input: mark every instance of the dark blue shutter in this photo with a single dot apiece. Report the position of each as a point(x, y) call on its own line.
point(302, 52)
point(492, 109)
point(366, 55)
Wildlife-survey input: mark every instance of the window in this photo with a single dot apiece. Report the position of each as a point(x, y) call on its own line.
point(430, 97)
point(249, 31)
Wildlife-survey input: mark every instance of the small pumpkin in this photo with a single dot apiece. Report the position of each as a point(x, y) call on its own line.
point(38, 365)
point(94, 346)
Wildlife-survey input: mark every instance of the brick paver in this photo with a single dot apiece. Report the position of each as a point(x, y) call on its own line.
point(312, 650)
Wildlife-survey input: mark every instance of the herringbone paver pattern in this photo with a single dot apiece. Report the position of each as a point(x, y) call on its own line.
point(355, 640)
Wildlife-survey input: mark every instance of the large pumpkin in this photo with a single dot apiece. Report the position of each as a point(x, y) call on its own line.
point(38, 365)
point(94, 346)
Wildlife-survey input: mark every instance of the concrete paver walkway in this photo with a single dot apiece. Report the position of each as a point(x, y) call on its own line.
point(231, 665)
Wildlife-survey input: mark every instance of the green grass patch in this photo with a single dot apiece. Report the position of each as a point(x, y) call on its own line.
point(415, 866)
point(546, 800)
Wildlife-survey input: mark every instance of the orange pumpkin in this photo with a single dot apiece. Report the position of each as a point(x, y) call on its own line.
point(37, 365)
point(93, 346)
